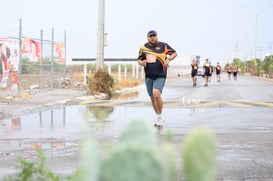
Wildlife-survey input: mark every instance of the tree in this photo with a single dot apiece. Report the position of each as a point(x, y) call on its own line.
point(267, 64)
point(237, 62)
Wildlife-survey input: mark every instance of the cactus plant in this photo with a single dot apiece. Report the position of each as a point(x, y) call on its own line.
point(199, 156)
point(132, 162)
point(168, 154)
point(139, 132)
point(89, 167)
point(136, 157)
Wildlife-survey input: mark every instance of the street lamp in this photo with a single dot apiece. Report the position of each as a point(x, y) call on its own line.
point(256, 27)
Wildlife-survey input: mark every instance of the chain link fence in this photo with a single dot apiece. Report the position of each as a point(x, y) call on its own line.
point(31, 64)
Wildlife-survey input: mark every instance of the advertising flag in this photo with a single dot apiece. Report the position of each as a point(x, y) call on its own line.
point(59, 48)
point(10, 61)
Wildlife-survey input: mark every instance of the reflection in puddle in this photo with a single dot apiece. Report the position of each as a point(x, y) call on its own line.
point(100, 113)
point(128, 96)
point(63, 122)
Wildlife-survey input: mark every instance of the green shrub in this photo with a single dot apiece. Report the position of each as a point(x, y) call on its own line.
point(34, 170)
point(101, 82)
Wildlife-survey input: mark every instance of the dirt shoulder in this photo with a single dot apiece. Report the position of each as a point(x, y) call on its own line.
point(35, 101)
point(12, 106)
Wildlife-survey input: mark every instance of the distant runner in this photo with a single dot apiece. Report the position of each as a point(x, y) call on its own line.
point(229, 70)
point(218, 70)
point(235, 71)
point(194, 69)
point(207, 71)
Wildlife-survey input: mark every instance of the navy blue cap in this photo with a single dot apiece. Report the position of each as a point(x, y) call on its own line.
point(151, 32)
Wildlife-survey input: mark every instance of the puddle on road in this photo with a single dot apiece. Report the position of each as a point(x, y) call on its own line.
point(64, 128)
point(60, 132)
point(59, 128)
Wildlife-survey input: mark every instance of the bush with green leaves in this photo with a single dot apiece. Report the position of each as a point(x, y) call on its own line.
point(34, 170)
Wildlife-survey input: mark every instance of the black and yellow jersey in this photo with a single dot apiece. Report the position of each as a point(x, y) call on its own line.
point(194, 67)
point(155, 57)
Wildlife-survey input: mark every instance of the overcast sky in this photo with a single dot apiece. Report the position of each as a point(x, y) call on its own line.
point(214, 29)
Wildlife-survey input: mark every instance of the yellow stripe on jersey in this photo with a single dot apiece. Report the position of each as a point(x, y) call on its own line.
point(161, 56)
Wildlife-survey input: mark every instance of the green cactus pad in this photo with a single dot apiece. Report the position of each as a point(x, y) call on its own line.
point(200, 155)
point(132, 162)
point(169, 160)
point(139, 132)
point(89, 167)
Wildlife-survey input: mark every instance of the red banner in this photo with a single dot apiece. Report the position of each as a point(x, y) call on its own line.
point(10, 61)
point(59, 48)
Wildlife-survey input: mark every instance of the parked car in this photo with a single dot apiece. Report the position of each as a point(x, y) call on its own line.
point(200, 72)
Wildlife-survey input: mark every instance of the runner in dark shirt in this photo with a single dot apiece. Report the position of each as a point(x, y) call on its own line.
point(207, 71)
point(155, 56)
point(235, 71)
point(194, 69)
point(218, 70)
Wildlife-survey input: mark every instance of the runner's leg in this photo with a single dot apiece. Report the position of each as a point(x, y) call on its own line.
point(157, 101)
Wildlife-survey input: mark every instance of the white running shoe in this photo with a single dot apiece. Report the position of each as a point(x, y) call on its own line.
point(159, 122)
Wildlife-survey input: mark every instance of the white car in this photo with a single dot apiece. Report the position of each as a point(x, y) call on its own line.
point(200, 72)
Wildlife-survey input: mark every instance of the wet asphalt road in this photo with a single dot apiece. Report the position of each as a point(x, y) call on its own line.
point(238, 112)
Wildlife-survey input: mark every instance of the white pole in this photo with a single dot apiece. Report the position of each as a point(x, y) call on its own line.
point(125, 72)
point(100, 35)
point(84, 74)
point(119, 72)
point(137, 71)
point(142, 73)
point(256, 34)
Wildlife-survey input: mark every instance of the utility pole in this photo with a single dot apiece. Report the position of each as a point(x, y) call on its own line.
point(270, 48)
point(100, 35)
point(245, 53)
point(257, 14)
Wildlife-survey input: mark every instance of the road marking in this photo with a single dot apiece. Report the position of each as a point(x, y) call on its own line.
point(173, 104)
point(91, 102)
point(236, 104)
point(208, 104)
point(259, 103)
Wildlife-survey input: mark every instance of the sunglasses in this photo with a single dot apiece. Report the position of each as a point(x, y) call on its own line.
point(153, 35)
